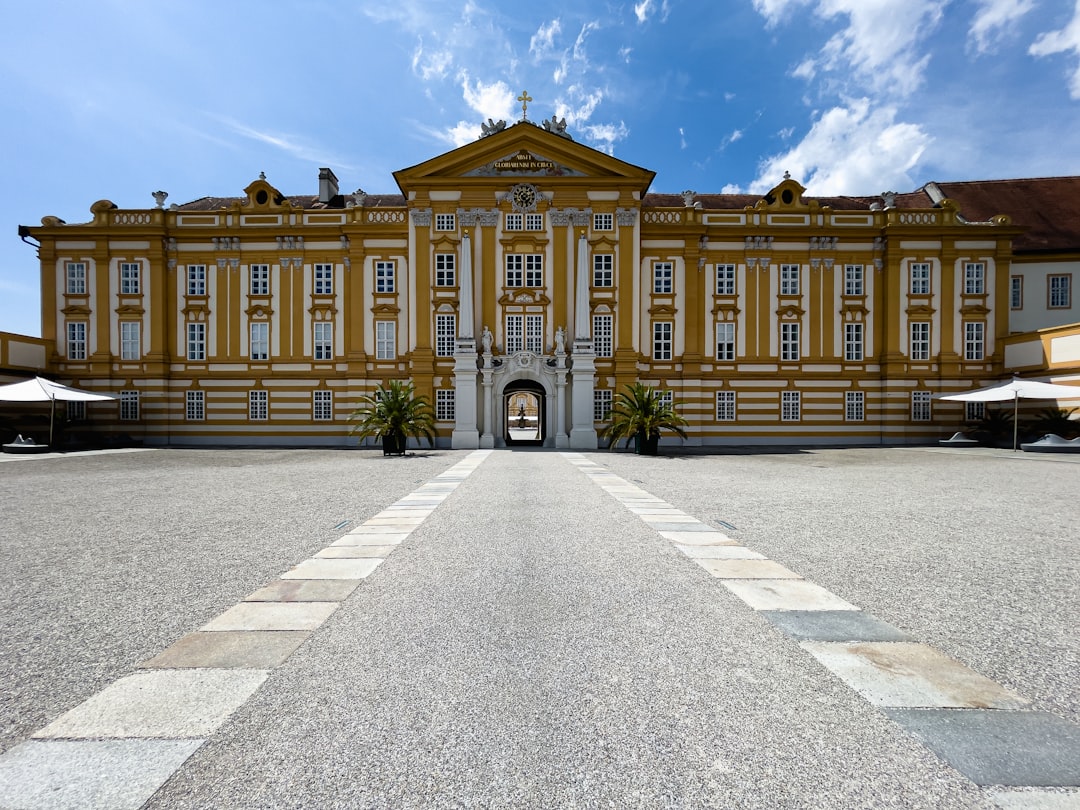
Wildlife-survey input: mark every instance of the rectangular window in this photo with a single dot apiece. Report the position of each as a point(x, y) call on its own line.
point(515, 269)
point(385, 348)
point(603, 222)
point(666, 398)
point(789, 279)
point(854, 406)
point(196, 341)
point(445, 335)
point(514, 222)
point(260, 279)
point(853, 342)
point(974, 411)
point(974, 278)
point(919, 349)
point(974, 340)
point(445, 405)
point(853, 279)
point(324, 279)
point(76, 411)
point(663, 275)
point(725, 341)
point(920, 278)
point(534, 333)
point(258, 405)
point(725, 406)
point(515, 333)
point(129, 340)
point(1016, 292)
point(196, 279)
point(76, 278)
point(602, 335)
point(195, 406)
point(129, 278)
point(603, 265)
point(662, 345)
point(324, 341)
point(260, 341)
point(534, 222)
point(445, 222)
point(129, 406)
point(76, 341)
point(384, 277)
point(725, 279)
point(790, 406)
point(920, 406)
point(789, 341)
point(534, 270)
point(322, 406)
point(601, 404)
point(445, 270)
point(1060, 290)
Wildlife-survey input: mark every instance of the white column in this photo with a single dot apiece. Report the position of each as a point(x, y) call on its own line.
point(466, 329)
point(561, 439)
point(487, 438)
point(582, 332)
point(583, 381)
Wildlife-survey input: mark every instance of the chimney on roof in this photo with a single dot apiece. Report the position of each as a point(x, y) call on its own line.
point(328, 185)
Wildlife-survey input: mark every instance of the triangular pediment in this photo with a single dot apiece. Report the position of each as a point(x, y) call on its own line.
point(523, 152)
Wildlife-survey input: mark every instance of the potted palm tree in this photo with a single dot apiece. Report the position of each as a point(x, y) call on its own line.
point(1056, 420)
point(394, 413)
point(640, 413)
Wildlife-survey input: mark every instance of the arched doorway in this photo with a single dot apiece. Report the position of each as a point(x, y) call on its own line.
point(524, 416)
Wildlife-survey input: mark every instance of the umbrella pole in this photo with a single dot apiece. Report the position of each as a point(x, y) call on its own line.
point(1016, 416)
point(52, 418)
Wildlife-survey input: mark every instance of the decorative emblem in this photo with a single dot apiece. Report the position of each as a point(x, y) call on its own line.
point(524, 98)
point(523, 196)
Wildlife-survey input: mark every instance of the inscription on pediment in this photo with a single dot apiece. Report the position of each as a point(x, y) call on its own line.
point(523, 163)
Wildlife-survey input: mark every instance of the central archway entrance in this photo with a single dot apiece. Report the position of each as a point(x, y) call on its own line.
point(524, 419)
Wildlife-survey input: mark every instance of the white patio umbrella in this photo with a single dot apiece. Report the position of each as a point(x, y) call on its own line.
point(1015, 390)
point(38, 389)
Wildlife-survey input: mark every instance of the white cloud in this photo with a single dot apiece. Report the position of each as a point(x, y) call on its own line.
point(434, 65)
point(290, 144)
point(1063, 41)
point(605, 136)
point(774, 10)
point(682, 138)
point(624, 53)
point(848, 151)
point(786, 133)
point(735, 136)
point(994, 19)
point(579, 43)
point(731, 188)
point(645, 9)
point(578, 105)
point(542, 42)
point(495, 100)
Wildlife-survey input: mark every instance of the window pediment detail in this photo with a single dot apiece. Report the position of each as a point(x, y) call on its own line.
point(790, 311)
point(662, 309)
point(975, 309)
point(519, 296)
point(76, 309)
point(130, 309)
point(385, 309)
point(259, 311)
point(920, 311)
point(727, 310)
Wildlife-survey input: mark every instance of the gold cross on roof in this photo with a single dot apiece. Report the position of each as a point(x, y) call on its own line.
point(524, 98)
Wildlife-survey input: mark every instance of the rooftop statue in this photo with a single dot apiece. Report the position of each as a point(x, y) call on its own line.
point(491, 127)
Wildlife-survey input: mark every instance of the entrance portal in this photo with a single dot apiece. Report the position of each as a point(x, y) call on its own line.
point(523, 407)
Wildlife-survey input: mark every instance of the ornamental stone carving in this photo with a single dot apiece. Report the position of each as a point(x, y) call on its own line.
point(421, 217)
point(625, 216)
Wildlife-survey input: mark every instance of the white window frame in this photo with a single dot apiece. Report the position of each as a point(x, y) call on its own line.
point(603, 222)
point(323, 339)
point(725, 341)
point(385, 340)
point(853, 342)
point(196, 342)
point(196, 279)
point(974, 278)
point(602, 403)
point(1059, 291)
point(725, 279)
point(446, 222)
point(921, 409)
point(854, 279)
point(790, 342)
point(195, 406)
point(445, 405)
point(514, 222)
point(445, 270)
point(324, 279)
point(515, 269)
point(75, 411)
point(920, 278)
point(534, 270)
point(1016, 292)
point(259, 343)
point(322, 405)
point(258, 405)
point(663, 340)
point(534, 222)
point(603, 333)
point(603, 270)
point(259, 281)
point(663, 278)
point(130, 340)
point(445, 334)
point(790, 406)
point(725, 406)
point(789, 279)
point(919, 340)
point(534, 333)
point(974, 411)
point(130, 273)
point(974, 340)
point(76, 278)
point(129, 406)
point(385, 277)
point(76, 340)
point(854, 406)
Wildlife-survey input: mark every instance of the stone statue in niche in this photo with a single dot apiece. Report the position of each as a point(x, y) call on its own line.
point(485, 340)
point(560, 341)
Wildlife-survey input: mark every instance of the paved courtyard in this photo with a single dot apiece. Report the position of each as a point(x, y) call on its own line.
point(300, 628)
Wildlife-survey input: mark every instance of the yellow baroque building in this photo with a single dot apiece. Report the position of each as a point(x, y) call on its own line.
point(527, 275)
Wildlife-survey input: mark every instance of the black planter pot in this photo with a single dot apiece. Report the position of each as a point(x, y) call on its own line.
point(393, 444)
point(646, 445)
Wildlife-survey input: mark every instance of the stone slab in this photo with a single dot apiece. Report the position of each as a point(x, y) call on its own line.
point(167, 703)
point(405, 513)
point(384, 531)
point(332, 569)
point(747, 569)
point(230, 649)
point(306, 590)
point(1036, 799)
point(833, 625)
point(910, 675)
point(371, 539)
point(411, 522)
point(992, 747)
point(785, 594)
point(272, 616)
point(672, 521)
point(88, 774)
point(696, 538)
point(720, 553)
point(353, 551)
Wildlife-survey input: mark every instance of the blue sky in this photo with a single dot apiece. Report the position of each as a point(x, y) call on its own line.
point(115, 99)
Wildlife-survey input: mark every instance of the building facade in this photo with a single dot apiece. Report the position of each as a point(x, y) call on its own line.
point(527, 273)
